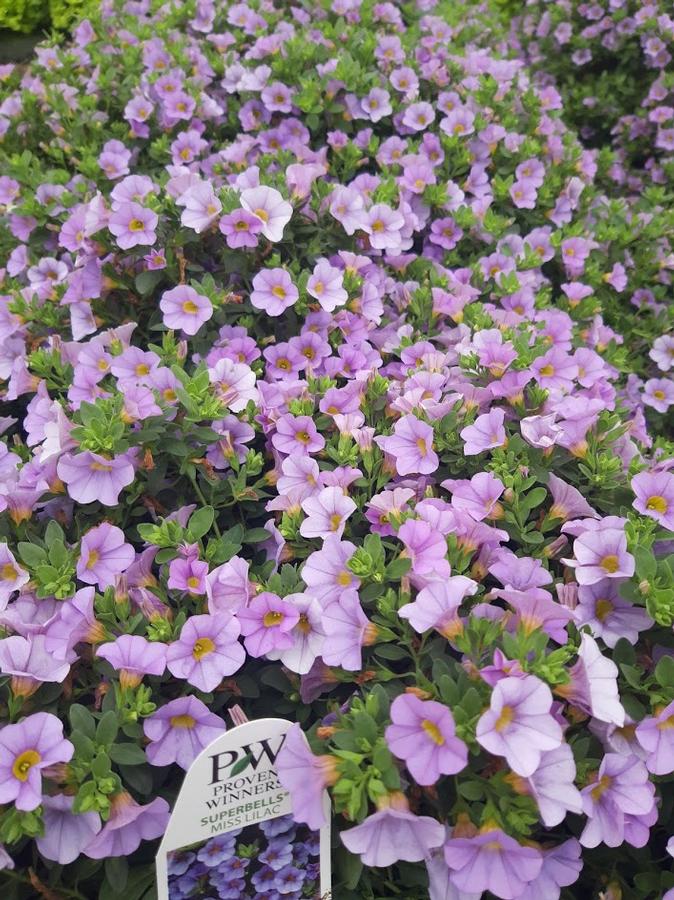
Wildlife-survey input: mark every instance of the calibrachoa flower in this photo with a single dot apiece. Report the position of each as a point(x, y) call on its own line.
point(133, 657)
point(184, 309)
point(393, 833)
point(207, 650)
point(104, 555)
point(492, 861)
point(411, 446)
point(267, 623)
point(519, 724)
point(90, 476)
point(306, 776)
point(273, 291)
point(179, 731)
point(27, 748)
point(66, 833)
point(423, 735)
point(654, 493)
point(128, 825)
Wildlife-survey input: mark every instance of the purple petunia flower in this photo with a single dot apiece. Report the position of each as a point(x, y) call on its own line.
point(207, 650)
point(66, 833)
point(423, 735)
point(184, 309)
point(492, 861)
point(411, 446)
point(133, 224)
point(90, 476)
point(519, 724)
point(179, 731)
point(27, 748)
point(128, 825)
point(267, 623)
point(104, 555)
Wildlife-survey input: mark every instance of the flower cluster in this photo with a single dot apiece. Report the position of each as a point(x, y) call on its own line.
point(276, 860)
point(612, 61)
point(335, 386)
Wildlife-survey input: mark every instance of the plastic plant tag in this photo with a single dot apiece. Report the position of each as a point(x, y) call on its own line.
point(231, 833)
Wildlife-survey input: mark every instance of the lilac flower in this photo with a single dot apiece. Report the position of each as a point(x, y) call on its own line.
point(27, 748)
point(383, 225)
point(269, 206)
point(66, 833)
point(600, 554)
point(273, 291)
point(621, 788)
point(393, 834)
point(90, 476)
point(325, 571)
point(133, 656)
point(656, 735)
point(179, 731)
point(593, 684)
point(133, 224)
point(347, 630)
point(561, 867)
point(654, 492)
point(477, 496)
point(207, 650)
point(128, 825)
point(201, 207)
point(297, 434)
point(308, 635)
point(267, 623)
point(241, 229)
point(30, 664)
point(217, 850)
point(104, 555)
point(411, 445)
point(436, 606)
point(12, 575)
point(326, 513)
point(609, 616)
point(552, 786)
point(519, 724)
point(492, 861)
point(485, 433)
point(184, 309)
point(423, 735)
point(568, 503)
point(305, 776)
point(326, 286)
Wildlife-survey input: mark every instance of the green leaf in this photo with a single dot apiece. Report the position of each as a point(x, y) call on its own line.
point(107, 729)
point(127, 754)
point(146, 281)
point(82, 721)
point(399, 567)
point(117, 873)
point(471, 790)
point(201, 521)
point(32, 555)
point(256, 536)
point(664, 672)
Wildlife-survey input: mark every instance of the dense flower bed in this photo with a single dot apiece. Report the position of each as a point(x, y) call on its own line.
point(338, 390)
point(612, 60)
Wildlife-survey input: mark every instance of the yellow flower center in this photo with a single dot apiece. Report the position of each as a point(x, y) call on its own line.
point(344, 578)
point(189, 306)
point(421, 444)
point(506, 717)
point(202, 648)
point(262, 214)
point(659, 395)
point(433, 732)
point(656, 503)
point(667, 724)
point(603, 609)
point(304, 624)
point(319, 287)
point(99, 467)
point(136, 225)
point(601, 787)
point(303, 437)
point(610, 563)
point(378, 225)
point(241, 225)
point(184, 721)
point(335, 521)
point(547, 371)
point(23, 763)
point(193, 582)
point(279, 291)
point(9, 573)
point(94, 556)
point(272, 618)
point(142, 369)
